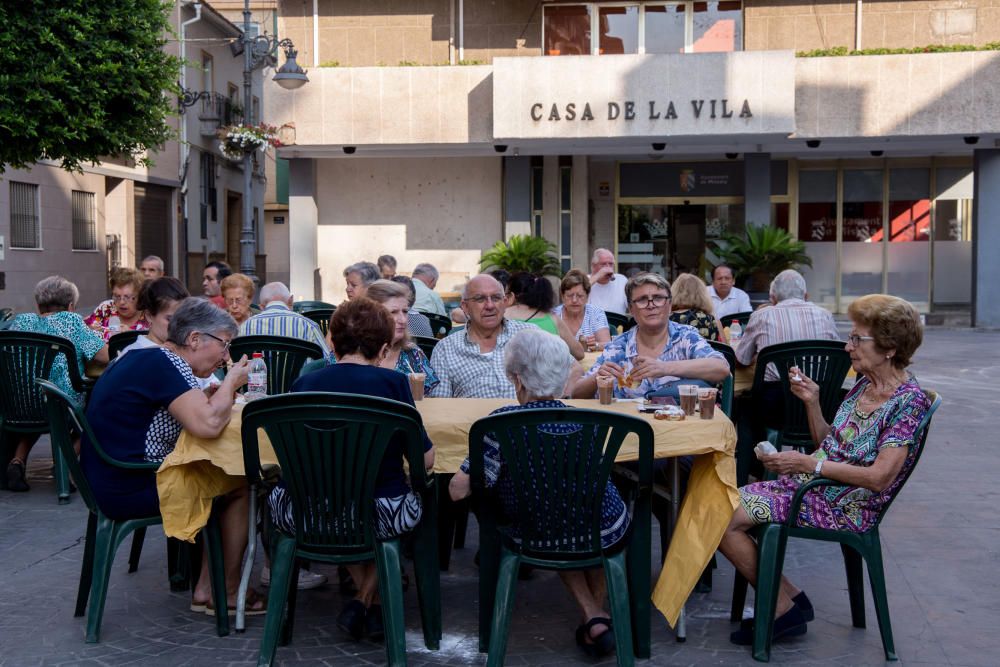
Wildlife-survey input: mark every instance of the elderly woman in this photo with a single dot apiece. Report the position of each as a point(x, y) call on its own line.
point(403, 355)
point(869, 448)
point(534, 299)
point(587, 321)
point(238, 290)
point(656, 352)
point(538, 364)
point(138, 409)
point(362, 332)
point(418, 323)
point(358, 277)
point(56, 300)
point(693, 306)
point(120, 312)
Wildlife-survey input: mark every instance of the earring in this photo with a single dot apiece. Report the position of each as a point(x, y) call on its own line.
point(888, 356)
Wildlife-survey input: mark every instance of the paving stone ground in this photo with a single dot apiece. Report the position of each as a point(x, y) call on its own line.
point(941, 544)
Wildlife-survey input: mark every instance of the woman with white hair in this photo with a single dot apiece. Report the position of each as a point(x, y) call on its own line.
point(358, 277)
point(538, 364)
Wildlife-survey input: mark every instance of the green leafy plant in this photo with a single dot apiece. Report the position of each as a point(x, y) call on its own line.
point(930, 48)
point(523, 253)
point(760, 254)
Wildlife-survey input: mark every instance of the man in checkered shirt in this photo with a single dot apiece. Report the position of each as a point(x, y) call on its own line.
point(469, 362)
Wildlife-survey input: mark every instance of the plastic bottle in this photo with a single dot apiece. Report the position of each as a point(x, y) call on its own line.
point(114, 324)
point(257, 379)
point(735, 331)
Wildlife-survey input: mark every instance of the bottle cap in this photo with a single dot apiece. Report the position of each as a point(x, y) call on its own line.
point(258, 355)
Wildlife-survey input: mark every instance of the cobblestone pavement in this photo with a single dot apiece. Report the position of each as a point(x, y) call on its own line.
point(941, 541)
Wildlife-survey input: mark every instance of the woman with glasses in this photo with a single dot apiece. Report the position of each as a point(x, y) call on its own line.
point(237, 289)
point(533, 302)
point(121, 312)
point(588, 322)
point(140, 406)
point(654, 353)
point(869, 448)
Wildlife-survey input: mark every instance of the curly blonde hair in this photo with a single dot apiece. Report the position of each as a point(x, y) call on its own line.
point(894, 324)
point(237, 281)
point(690, 292)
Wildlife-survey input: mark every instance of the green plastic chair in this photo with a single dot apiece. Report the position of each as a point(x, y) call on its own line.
point(425, 344)
point(772, 538)
point(312, 366)
point(302, 306)
point(441, 325)
point(284, 357)
point(104, 534)
point(826, 362)
point(619, 323)
point(120, 341)
point(330, 447)
point(25, 356)
point(321, 316)
point(726, 401)
point(742, 318)
point(575, 469)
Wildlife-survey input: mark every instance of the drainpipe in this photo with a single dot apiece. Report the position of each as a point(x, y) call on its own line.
point(857, 26)
point(315, 33)
point(461, 30)
point(185, 146)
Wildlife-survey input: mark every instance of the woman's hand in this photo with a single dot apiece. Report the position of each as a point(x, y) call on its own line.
point(590, 343)
point(803, 387)
point(611, 369)
point(647, 367)
point(789, 463)
point(239, 372)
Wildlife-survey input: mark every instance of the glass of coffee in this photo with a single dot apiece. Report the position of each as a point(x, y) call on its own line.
point(706, 402)
point(605, 389)
point(417, 385)
point(689, 398)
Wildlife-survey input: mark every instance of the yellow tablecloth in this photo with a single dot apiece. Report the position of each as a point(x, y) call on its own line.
point(199, 470)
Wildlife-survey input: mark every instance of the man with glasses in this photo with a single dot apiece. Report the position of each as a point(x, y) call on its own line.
point(655, 354)
point(469, 363)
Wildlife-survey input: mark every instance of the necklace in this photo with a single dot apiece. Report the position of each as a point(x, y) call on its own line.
point(873, 399)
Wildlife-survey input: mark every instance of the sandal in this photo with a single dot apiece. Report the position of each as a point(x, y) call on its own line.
point(599, 646)
point(256, 605)
point(16, 476)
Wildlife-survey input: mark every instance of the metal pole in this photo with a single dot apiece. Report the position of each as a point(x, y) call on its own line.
point(248, 241)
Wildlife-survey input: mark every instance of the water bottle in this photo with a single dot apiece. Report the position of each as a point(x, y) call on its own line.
point(735, 331)
point(257, 379)
point(114, 324)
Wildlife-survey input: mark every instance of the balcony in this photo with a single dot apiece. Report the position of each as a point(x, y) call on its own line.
point(218, 111)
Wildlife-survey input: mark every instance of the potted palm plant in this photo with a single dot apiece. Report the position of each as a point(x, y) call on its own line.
point(532, 254)
point(760, 254)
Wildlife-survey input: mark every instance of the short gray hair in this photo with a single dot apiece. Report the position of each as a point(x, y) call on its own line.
point(789, 284)
point(152, 258)
point(274, 292)
point(596, 257)
point(198, 315)
point(55, 293)
point(540, 360)
point(425, 269)
point(367, 271)
point(645, 278)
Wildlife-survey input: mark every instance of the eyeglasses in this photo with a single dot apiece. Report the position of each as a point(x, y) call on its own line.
point(656, 301)
point(574, 297)
point(236, 301)
point(124, 298)
point(225, 343)
point(480, 299)
point(855, 339)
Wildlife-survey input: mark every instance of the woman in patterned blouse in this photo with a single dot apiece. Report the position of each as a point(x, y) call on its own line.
point(693, 306)
point(404, 356)
point(125, 286)
point(587, 322)
point(869, 448)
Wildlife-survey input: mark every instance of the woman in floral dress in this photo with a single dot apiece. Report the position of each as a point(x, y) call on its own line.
point(120, 312)
point(693, 306)
point(403, 355)
point(870, 447)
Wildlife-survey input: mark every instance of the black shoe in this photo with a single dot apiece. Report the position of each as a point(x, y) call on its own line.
point(373, 623)
point(790, 624)
point(15, 477)
point(352, 619)
point(803, 603)
point(599, 646)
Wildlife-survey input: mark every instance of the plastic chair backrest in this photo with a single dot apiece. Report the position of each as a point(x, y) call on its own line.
point(321, 316)
point(826, 362)
point(330, 448)
point(312, 366)
point(425, 344)
point(302, 306)
point(742, 318)
point(728, 352)
point(25, 356)
point(120, 341)
point(559, 480)
point(284, 357)
point(440, 324)
point(619, 323)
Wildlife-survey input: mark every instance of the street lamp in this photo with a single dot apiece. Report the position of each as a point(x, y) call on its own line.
point(259, 51)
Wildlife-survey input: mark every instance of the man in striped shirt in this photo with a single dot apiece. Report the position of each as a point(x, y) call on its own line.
point(278, 319)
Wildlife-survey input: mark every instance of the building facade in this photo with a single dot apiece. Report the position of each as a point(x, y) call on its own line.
point(433, 129)
point(185, 208)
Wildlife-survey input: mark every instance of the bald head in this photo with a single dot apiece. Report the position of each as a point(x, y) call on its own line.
point(483, 282)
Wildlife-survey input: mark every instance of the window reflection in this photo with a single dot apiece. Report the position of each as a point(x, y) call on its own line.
point(567, 30)
point(665, 29)
point(619, 30)
point(718, 26)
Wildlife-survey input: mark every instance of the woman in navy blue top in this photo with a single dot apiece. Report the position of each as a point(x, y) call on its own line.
point(361, 331)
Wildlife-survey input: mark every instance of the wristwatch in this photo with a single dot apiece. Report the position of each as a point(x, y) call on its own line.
point(818, 470)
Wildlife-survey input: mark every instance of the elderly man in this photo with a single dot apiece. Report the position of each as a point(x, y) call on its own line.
point(425, 278)
point(386, 266)
point(278, 319)
point(470, 362)
point(728, 299)
point(211, 281)
point(151, 267)
point(607, 288)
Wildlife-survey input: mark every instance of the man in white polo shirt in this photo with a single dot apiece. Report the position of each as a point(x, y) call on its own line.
point(727, 298)
point(607, 288)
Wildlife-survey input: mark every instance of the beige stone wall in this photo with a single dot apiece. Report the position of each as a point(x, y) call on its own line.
point(804, 25)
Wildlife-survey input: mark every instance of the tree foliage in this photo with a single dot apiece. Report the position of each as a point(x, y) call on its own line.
point(82, 80)
point(522, 253)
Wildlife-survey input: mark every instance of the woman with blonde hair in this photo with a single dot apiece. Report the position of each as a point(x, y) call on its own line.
point(403, 355)
point(693, 306)
point(237, 289)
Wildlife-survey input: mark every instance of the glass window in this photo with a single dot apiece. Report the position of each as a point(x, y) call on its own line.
point(619, 30)
point(665, 28)
point(718, 26)
point(909, 253)
point(567, 30)
point(861, 256)
point(953, 237)
point(25, 229)
point(818, 229)
point(84, 221)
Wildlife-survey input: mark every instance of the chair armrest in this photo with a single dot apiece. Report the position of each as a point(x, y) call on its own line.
point(793, 510)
